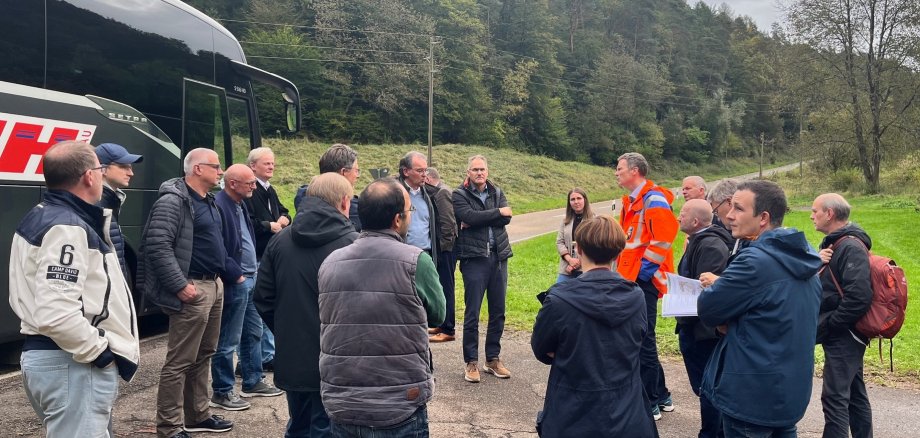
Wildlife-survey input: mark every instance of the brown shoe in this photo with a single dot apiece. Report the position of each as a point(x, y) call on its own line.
point(441, 337)
point(472, 372)
point(496, 368)
point(434, 330)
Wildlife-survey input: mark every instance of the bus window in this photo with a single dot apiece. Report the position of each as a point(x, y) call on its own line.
point(240, 132)
point(205, 118)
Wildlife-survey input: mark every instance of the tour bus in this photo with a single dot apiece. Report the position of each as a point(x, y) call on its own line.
point(156, 76)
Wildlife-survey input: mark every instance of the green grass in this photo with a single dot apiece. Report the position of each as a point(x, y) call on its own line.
point(889, 220)
point(531, 183)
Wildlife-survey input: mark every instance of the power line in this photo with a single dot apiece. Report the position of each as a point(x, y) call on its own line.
point(330, 29)
point(332, 48)
point(343, 61)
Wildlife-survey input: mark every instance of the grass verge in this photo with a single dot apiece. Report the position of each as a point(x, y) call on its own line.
point(889, 220)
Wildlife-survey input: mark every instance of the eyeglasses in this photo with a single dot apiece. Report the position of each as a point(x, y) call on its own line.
point(411, 208)
point(100, 168)
point(716, 208)
point(478, 170)
point(420, 171)
point(248, 183)
point(357, 170)
point(211, 165)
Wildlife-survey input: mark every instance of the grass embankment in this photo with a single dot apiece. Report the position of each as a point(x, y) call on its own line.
point(891, 221)
point(531, 183)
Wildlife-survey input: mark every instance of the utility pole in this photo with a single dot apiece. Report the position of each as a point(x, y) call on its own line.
point(801, 142)
point(431, 42)
point(761, 155)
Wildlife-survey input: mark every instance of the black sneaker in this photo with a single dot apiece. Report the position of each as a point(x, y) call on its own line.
point(182, 434)
point(214, 424)
point(269, 366)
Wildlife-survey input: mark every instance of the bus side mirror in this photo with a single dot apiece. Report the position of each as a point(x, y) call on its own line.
point(290, 113)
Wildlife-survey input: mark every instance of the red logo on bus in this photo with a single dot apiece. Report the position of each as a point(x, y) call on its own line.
point(24, 140)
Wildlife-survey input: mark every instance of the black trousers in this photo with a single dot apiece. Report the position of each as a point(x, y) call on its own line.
point(843, 397)
point(447, 265)
point(696, 354)
point(484, 277)
point(650, 369)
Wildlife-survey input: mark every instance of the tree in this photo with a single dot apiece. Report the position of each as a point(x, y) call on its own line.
point(872, 47)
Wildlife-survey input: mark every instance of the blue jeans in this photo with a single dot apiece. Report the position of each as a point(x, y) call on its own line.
point(70, 398)
point(735, 428)
point(240, 326)
point(447, 265)
point(308, 418)
point(483, 277)
point(415, 426)
point(563, 277)
point(268, 344)
point(650, 369)
point(696, 354)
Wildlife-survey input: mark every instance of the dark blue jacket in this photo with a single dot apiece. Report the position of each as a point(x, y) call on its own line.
point(761, 371)
point(233, 238)
point(595, 325)
point(112, 201)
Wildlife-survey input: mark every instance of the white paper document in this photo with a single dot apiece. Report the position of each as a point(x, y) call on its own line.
point(681, 297)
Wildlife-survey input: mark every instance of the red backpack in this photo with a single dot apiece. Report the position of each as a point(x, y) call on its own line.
point(889, 298)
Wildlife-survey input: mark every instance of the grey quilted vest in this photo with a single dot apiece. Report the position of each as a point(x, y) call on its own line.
point(374, 358)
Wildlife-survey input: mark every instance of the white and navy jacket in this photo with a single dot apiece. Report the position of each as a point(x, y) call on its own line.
point(67, 287)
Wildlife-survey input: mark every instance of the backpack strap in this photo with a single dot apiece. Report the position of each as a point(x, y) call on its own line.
point(833, 247)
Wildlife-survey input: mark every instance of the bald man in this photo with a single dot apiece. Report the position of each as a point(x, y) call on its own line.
point(183, 256)
point(693, 187)
point(845, 251)
point(707, 251)
point(240, 324)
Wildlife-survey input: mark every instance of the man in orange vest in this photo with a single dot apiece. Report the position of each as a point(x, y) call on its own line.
point(650, 227)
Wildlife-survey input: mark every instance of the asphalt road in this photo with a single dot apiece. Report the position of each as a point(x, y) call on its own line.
point(530, 225)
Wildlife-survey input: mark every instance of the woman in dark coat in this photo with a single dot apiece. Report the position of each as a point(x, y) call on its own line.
point(590, 330)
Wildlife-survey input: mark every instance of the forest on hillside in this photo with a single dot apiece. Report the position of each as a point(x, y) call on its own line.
point(589, 79)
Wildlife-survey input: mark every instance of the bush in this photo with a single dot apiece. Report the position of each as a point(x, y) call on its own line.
point(847, 180)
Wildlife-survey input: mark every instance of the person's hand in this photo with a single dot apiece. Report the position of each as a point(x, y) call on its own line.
point(569, 269)
point(276, 227)
point(241, 279)
point(826, 255)
point(505, 211)
point(722, 329)
point(577, 263)
point(188, 293)
point(552, 355)
point(572, 261)
point(708, 278)
point(284, 221)
point(464, 225)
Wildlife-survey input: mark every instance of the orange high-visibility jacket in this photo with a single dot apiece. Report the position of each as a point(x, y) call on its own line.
point(650, 228)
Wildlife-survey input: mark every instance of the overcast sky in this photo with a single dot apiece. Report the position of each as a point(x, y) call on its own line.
point(764, 12)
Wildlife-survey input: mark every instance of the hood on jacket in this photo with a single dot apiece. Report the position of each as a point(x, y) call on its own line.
point(850, 229)
point(318, 223)
point(790, 249)
point(719, 232)
point(601, 295)
point(175, 186)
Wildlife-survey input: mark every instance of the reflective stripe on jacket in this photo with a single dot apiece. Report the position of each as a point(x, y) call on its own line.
point(650, 228)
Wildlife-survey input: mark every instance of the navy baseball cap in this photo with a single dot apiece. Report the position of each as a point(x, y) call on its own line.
point(109, 153)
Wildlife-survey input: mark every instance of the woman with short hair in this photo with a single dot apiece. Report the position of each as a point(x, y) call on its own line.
point(577, 209)
point(590, 330)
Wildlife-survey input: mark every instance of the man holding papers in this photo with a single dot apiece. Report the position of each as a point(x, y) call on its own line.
point(707, 251)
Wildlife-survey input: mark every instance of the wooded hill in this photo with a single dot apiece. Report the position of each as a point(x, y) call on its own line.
point(590, 79)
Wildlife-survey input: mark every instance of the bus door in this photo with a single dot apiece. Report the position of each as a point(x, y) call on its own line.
point(206, 120)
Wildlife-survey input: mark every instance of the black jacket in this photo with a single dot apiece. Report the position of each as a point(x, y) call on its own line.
point(707, 251)
point(264, 208)
point(443, 200)
point(352, 212)
point(594, 324)
point(112, 200)
point(286, 291)
point(850, 264)
point(474, 241)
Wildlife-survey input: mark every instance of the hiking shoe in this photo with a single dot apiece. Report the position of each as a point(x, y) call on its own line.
point(214, 424)
point(472, 372)
point(656, 413)
point(262, 389)
point(496, 368)
point(229, 402)
point(441, 337)
point(667, 405)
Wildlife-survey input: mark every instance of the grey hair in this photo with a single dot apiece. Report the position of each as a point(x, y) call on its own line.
point(406, 161)
point(433, 173)
point(339, 156)
point(256, 154)
point(195, 154)
point(66, 162)
point(722, 191)
point(637, 160)
point(469, 162)
point(698, 181)
point(836, 203)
